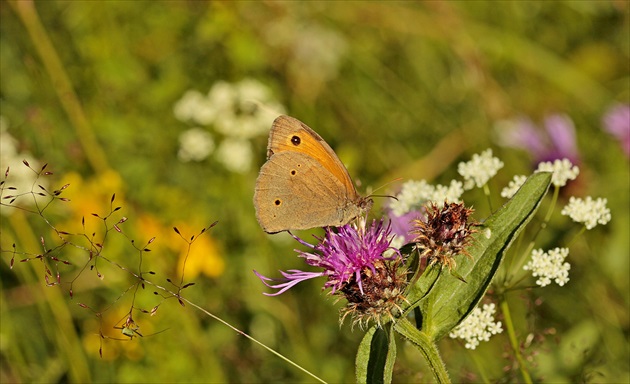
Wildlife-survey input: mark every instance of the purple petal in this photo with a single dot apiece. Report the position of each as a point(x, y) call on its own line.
point(304, 243)
point(343, 253)
point(617, 122)
point(562, 135)
point(525, 135)
point(402, 225)
point(292, 277)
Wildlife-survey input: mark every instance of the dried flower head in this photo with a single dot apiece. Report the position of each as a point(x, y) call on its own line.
point(353, 260)
point(377, 298)
point(445, 233)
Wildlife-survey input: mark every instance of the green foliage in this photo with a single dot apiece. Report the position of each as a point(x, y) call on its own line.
point(446, 300)
point(450, 299)
point(376, 356)
point(397, 89)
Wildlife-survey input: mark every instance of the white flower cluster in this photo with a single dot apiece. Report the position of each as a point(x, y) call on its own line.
point(195, 144)
point(239, 112)
point(589, 212)
point(477, 327)
point(479, 170)
point(236, 155)
point(563, 170)
point(414, 194)
point(20, 177)
point(513, 186)
point(549, 266)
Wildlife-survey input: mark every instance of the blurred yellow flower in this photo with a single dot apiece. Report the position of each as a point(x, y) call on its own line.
point(94, 196)
point(202, 257)
point(88, 196)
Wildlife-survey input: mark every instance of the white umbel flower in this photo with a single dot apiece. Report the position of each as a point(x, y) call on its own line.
point(195, 107)
point(589, 212)
point(414, 194)
point(513, 186)
point(563, 171)
point(236, 112)
point(20, 177)
point(479, 170)
point(236, 155)
point(195, 144)
point(548, 266)
point(477, 327)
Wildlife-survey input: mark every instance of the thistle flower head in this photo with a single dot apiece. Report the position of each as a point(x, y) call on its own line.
point(444, 234)
point(353, 261)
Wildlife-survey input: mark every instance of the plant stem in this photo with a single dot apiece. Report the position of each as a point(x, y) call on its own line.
point(63, 86)
point(480, 367)
point(426, 346)
point(509, 324)
point(486, 192)
point(582, 230)
point(252, 339)
point(56, 314)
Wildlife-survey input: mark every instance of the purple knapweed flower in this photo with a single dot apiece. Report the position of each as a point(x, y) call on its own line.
point(617, 123)
point(359, 263)
point(555, 141)
point(343, 253)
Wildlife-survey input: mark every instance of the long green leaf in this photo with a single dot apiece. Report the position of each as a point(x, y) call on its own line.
point(376, 356)
point(450, 299)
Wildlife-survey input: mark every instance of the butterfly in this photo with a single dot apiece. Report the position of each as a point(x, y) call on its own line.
point(303, 184)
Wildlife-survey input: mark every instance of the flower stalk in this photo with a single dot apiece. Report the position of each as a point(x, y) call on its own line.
point(509, 325)
point(426, 346)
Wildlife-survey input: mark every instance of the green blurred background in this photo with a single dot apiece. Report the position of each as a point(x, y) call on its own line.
point(399, 89)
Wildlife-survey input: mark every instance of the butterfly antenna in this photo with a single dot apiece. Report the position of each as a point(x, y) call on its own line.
point(390, 196)
point(383, 186)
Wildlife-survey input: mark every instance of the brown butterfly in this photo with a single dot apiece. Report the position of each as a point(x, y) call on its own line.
point(303, 184)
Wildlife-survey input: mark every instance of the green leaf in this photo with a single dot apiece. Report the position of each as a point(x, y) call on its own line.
point(376, 356)
point(421, 288)
point(450, 299)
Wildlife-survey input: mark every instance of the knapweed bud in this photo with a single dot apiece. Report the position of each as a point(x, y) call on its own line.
point(444, 234)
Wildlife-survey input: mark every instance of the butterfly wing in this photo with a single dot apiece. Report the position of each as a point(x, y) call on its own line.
point(294, 191)
point(289, 134)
